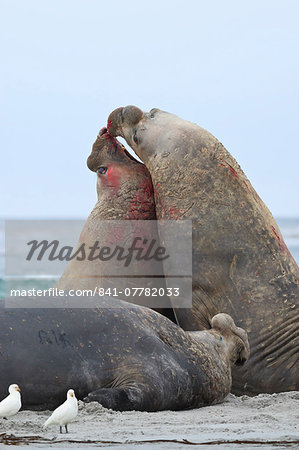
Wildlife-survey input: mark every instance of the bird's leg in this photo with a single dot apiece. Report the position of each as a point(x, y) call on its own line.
point(60, 428)
point(66, 428)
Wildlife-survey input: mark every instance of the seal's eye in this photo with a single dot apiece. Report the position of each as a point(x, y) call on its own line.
point(135, 138)
point(102, 170)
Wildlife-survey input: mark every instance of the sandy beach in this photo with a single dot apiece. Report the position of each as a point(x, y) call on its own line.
point(264, 421)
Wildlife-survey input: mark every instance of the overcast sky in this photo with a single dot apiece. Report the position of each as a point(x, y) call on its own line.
point(230, 66)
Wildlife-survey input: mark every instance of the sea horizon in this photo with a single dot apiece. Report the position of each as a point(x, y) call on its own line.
point(289, 227)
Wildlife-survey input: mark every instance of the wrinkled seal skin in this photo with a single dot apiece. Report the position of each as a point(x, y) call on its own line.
point(125, 192)
point(127, 357)
point(241, 264)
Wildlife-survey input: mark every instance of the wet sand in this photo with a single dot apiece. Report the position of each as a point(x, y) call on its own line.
point(264, 421)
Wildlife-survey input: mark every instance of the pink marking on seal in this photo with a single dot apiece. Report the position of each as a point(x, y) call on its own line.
point(174, 212)
point(247, 187)
point(231, 169)
point(111, 179)
point(281, 243)
point(142, 205)
point(115, 235)
point(233, 172)
point(109, 124)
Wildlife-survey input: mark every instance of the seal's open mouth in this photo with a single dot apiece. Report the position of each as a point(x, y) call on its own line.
point(104, 131)
point(131, 156)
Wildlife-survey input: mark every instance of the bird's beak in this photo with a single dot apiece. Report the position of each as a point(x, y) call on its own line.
point(72, 395)
point(18, 389)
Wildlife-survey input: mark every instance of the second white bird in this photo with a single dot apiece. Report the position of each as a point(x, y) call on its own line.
point(65, 413)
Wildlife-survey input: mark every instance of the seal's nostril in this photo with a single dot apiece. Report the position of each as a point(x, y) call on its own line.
point(103, 131)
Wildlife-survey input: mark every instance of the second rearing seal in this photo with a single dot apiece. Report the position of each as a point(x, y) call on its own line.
point(241, 264)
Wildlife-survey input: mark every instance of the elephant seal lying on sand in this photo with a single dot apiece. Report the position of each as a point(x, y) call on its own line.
point(127, 357)
point(241, 264)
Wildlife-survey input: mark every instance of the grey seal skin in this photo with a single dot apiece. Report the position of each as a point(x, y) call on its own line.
point(241, 264)
point(127, 357)
point(125, 192)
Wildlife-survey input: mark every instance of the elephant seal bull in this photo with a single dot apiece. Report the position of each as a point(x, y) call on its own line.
point(125, 208)
point(120, 180)
point(127, 357)
point(241, 264)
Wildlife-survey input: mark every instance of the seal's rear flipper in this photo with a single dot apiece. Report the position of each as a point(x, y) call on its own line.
point(117, 399)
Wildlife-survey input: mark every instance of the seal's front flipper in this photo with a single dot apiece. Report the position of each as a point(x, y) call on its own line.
point(117, 399)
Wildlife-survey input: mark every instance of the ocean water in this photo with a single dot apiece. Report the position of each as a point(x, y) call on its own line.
point(289, 228)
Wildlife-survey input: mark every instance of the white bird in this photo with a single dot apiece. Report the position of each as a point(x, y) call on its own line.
point(65, 413)
point(12, 403)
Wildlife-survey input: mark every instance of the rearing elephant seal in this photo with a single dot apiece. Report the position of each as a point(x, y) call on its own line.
point(125, 209)
point(125, 192)
point(241, 264)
